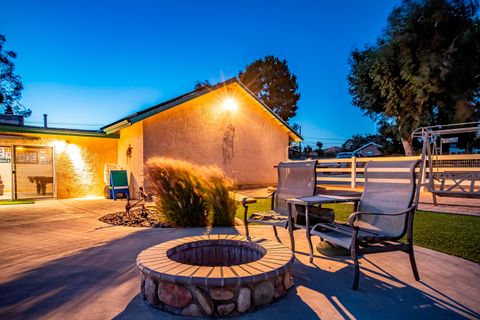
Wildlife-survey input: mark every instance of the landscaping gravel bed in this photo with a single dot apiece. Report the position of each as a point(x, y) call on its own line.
point(150, 218)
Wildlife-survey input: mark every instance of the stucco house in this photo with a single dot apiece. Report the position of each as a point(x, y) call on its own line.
point(224, 125)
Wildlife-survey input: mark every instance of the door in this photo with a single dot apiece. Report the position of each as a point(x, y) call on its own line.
point(33, 168)
point(6, 173)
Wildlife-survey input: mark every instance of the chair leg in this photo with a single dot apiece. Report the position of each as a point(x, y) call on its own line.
point(413, 263)
point(354, 252)
point(310, 246)
point(276, 233)
point(356, 276)
point(245, 222)
point(292, 239)
point(290, 228)
point(309, 238)
point(434, 197)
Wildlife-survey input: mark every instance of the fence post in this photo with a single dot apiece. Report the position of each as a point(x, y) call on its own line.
point(354, 173)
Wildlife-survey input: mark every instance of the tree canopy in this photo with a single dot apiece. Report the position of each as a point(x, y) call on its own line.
point(10, 84)
point(202, 84)
point(273, 83)
point(358, 140)
point(423, 70)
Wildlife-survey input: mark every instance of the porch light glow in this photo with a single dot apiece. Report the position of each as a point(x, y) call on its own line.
point(230, 104)
point(59, 145)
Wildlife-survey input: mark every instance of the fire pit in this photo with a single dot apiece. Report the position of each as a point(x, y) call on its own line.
point(214, 275)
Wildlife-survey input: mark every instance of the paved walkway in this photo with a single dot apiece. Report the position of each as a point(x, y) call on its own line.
point(59, 262)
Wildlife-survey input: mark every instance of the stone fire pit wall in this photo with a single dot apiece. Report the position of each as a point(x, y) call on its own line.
point(214, 275)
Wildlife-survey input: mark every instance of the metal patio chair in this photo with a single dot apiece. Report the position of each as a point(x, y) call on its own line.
point(385, 215)
point(295, 179)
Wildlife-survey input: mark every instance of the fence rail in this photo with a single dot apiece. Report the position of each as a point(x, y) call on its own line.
point(350, 171)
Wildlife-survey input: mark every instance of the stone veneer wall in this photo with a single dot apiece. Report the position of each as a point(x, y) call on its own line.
point(200, 301)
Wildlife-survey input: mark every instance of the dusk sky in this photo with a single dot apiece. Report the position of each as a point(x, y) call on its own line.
point(89, 63)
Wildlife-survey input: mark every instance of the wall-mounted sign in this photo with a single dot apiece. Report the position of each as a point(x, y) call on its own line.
point(5, 154)
point(26, 157)
point(42, 157)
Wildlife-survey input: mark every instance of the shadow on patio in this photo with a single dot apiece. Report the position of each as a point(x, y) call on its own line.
point(103, 282)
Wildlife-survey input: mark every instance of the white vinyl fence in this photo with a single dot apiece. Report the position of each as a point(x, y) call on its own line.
point(350, 171)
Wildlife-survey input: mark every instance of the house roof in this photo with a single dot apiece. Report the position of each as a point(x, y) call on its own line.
point(332, 149)
point(366, 145)
point(57, 131)
point(148, 112)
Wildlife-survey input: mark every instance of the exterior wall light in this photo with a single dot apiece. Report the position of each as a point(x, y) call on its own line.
point(230, 104)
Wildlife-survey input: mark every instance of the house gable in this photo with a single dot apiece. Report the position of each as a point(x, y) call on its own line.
point(221, 89)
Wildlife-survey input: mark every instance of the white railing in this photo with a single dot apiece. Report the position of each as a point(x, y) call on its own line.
point(350, 171)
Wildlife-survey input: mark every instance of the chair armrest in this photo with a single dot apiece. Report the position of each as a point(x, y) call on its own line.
point(271, 189)
point(246, 201)
point(354, 216)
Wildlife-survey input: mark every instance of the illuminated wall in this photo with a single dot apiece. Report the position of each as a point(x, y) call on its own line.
point(130, 155)
point(244, 140)
point(78, 161)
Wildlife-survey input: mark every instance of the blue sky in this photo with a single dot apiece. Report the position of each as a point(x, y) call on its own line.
point(93, 62)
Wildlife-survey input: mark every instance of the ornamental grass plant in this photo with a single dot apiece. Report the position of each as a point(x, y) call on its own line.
point(218, 191)
point(178, 192)
point(189, 195)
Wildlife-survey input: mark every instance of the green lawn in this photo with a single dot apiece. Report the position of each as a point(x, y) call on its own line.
point(25, 201)
point(453, 234)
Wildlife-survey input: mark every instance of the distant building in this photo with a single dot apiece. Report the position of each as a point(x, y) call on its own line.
point(370, 149)
point(332, 151)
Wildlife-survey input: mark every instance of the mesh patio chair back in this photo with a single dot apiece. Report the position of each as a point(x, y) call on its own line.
point(295, 179)
point(389, 189)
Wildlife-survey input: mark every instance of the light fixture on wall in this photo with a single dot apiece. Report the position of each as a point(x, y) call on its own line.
point(230, 104)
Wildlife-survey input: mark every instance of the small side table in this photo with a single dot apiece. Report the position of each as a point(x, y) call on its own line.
point(320, 199)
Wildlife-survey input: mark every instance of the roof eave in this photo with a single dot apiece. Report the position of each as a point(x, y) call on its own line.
point(57, 131)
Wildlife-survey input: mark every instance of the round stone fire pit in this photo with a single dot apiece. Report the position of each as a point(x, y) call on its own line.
point(214, 275)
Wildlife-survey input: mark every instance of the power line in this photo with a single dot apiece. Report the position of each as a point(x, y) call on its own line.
point(67, 123)
point(317, 138)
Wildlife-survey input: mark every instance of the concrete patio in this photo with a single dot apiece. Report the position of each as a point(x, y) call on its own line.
point(59, 262)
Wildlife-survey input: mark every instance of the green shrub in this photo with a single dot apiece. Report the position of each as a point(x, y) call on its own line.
point(189, 195)
point(178, 192)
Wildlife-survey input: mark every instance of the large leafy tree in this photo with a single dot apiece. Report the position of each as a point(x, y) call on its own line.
point(423, 70)
point(273, 83)
point(10, 84)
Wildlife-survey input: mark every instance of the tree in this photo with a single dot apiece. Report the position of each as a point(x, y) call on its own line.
point(389, 138)
point(357, 141)
point(272, 82)
point(307, 149)
point(423, 70)
point(202, 84)
point(295, 152)
point(319, 149)
point(10, 84)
